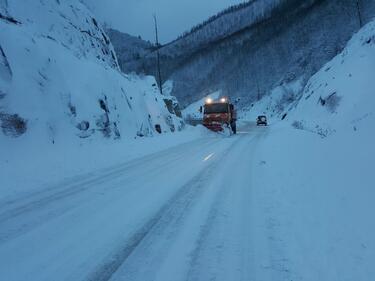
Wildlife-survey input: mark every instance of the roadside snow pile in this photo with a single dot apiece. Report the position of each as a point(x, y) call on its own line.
point(60, 79)
point(26, 169)
point(170, 101)
point(318, 196)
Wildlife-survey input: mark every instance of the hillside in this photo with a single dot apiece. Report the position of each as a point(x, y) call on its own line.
point(60, 79)
point(319, 163)
point(250, 49)
point(128, 48)
point(338, 99)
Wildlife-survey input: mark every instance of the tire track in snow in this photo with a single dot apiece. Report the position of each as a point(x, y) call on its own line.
point(172, 212)
point(51, 202)
point(81, 179)
point(211, 241)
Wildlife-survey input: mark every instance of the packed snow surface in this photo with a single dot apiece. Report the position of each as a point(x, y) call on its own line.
point(270, 204)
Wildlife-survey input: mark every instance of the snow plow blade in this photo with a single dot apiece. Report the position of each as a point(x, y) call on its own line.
point(215, 127)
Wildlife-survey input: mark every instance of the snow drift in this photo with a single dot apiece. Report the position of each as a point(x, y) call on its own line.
point(59, 78)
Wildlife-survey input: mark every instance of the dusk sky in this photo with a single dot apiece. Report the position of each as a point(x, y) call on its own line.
point(174, 16)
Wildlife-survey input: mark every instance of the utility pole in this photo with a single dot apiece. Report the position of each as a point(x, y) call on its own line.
point(158, 56)
point(258, 88)
point(359, 13)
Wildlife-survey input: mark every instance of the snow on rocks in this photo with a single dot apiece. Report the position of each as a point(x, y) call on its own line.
point(59, 73)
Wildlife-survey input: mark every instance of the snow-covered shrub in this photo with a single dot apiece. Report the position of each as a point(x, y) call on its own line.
point(298, 125)
point(12, 125)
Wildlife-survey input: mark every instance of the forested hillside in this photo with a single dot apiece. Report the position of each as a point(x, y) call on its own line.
point(129, 48)
point(249, 49)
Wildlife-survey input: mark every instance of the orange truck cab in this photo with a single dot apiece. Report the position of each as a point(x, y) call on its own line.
point(218, 115)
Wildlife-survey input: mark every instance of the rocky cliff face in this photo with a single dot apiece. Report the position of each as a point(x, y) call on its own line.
point(264, 44)
point(60, 78)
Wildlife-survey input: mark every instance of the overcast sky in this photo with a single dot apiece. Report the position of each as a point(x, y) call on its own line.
point(174, 16)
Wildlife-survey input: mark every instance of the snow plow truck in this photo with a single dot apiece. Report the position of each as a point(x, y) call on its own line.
point(220, 116)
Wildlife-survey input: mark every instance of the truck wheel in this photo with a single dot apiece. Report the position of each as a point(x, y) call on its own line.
point(233, 125)
point(227, 130)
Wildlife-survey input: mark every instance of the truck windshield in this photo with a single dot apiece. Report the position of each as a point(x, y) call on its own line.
point(216, 108)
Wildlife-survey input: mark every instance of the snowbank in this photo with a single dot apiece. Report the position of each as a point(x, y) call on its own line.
point(29, 168)
point(317, 197)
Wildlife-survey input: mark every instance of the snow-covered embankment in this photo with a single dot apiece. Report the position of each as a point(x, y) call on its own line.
point(64, 104)
point(316, 170)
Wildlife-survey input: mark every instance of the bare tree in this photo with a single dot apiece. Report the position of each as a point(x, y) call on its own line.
point(160, 81)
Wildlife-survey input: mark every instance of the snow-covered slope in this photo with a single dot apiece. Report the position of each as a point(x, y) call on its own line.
point(338, 98)
point(318, 163)
point(60, 80)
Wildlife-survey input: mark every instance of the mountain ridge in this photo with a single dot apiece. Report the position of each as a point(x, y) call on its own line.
point(309, 33)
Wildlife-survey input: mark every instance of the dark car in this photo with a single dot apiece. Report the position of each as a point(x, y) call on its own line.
point(262, 120)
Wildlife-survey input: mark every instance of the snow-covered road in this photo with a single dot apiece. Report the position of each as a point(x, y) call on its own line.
point(185, 213)
point(263, 205)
